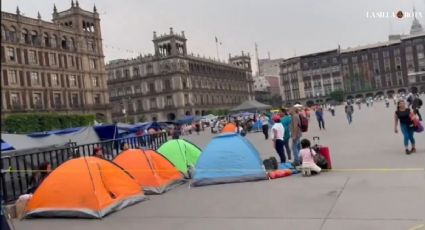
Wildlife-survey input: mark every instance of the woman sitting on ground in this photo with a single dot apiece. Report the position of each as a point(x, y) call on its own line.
point(37, 178)
point(307, 156)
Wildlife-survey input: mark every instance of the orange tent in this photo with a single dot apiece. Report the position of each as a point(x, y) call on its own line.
point(150, 169)
point(229, 128)
point(85, 187)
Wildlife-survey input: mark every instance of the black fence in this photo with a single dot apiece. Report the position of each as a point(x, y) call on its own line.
point(17, 168)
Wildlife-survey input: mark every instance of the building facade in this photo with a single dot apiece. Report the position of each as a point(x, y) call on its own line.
point(53, 66)
point(366, 71)
point(171, 83)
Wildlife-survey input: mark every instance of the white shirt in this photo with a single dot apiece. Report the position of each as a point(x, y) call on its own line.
point(280, 131)
point(264, 120)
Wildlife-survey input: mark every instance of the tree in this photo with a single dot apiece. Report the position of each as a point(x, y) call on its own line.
point(337, 95)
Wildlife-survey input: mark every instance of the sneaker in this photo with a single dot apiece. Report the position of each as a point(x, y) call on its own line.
point(413, 150)
point(408, 152)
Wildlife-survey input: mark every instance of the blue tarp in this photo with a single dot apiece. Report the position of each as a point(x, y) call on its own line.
point(57, 132)
point(228, 158)
point(6, 147)
point(106, 132)
point(188, 119)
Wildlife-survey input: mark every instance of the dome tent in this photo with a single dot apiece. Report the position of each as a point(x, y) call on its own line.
point(85, 187)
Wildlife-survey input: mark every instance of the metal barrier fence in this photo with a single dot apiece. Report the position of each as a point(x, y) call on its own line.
point(17, 169)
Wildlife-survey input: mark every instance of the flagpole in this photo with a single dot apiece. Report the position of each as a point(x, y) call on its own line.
point(216, 47)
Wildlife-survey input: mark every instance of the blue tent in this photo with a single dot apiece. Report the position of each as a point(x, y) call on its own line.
point(228, 158)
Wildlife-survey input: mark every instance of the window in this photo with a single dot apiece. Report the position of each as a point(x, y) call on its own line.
point(167, 84)
point(57, 99)
point(52, 59)
point(46, 40)
point(53, 41)
point(153, 103)
point(151, 87)
point(37, 99)
point(186, 99)
point(95, 81)
point(71, 62)
point(15, 99)
point(169, 101)
point(54, 79)
point(96, 99)
point(93, 64)
point(136, 72)
point(74, 99)
point(91, 46)
point(73, 80)
point(25, 37)
point(35, 78)
point(13, 80)
point(126, 73)
point(32, 54)
point(11, 54)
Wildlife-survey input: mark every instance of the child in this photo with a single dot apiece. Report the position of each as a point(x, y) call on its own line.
point(307, 154)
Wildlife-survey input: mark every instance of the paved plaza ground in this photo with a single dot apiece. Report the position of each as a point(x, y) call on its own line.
point(375, 185)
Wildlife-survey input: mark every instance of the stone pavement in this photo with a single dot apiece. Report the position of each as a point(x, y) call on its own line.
point(374, 186)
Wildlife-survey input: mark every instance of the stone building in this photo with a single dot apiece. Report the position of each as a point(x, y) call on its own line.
point(172, 83)
point(383, 68)
point(53, 66)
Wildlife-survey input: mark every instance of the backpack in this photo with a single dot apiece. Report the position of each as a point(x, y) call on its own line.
point(271, 163)
point(303, 123)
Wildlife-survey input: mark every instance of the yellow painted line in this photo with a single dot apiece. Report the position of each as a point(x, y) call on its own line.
point(421, 226)
point(376, 170)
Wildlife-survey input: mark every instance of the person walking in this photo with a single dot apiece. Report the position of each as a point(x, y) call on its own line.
point(265, 125)
point(286, 122)
point(403, 114)
point(319, 116)
point(333, 110)
point(349, 112)
point(296, 135)
point(415, 102)
point(277, 138)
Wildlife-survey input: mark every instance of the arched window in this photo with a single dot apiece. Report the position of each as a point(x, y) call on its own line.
point(25, 36)
point(34, 38)
point(12, 34)
point(64, 43)
point(46, 40)
point(54, 41)
point(71, 43)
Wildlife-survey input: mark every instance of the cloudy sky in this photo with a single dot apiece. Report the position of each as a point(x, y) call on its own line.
point(282, 27)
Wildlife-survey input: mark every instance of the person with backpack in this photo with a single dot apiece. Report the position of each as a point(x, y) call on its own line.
point(349, 109)
point(403, 114)
point(296, 134)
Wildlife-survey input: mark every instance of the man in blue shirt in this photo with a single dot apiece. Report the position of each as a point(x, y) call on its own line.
point(319, 116)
